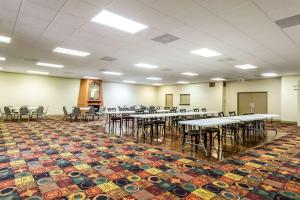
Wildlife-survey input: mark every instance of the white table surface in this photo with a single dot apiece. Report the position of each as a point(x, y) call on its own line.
point(84, 108)
point(158, 115)
point(253, 117)
point(120, 112)
point(29, 108)
point(209, 122)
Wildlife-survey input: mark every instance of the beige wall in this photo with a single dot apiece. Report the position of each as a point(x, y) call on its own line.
point(272, 86)
point(298, 104)
point(289, 98)
point(201, 95)
point(24, 89)
point(119, 94)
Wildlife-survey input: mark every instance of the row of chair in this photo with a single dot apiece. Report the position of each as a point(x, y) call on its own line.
point(76, 114)
point(24, 111)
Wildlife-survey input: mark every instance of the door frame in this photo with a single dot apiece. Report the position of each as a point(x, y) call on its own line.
point(166, 99)
point(238, 102)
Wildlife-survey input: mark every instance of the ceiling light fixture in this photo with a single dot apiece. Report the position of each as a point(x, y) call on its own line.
point(182, 82)
point(5, 39)
point(206, 52)
point(90, 77)
point(37, 72)
point(71, 52)
point(269, 74)
point(128, 81)
point(144, 65)
point(112, 73)
point(154, 78)
point(49, 65)
point(2, 58)
point(246, 66)
point(1, 68)
point(189, 74)
point(157, 84)
point(218, 79)
point(118, 22)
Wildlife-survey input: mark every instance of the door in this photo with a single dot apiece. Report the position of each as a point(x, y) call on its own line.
point(252, 102)
point(169, 100)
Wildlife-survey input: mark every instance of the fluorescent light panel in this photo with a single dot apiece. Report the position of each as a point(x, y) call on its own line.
point(5, 39)
point(144, 65)
point(71, 52)
point(218, 79)
point(118, 22)
point(154, 78)
point(2, 58)
point(37, 72)
point(157, 84)
point(189, 74)
point(246, 66)
point(183, 82)
point(269, 74)
point(112, 73)
point(206, 52)
point(90, 77)
point(49, 65)
point(128, 81)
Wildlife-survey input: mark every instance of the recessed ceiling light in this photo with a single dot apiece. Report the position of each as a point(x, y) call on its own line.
point(116, 21)
point(90, 77)
point(2, 58)
point(246, 66)
point(128, 81)
point(218, 79)
point(112, 73)
point(154, 78)
point(189, 74)
point(37, 72)
point(269, 74)
point(71, 52)
point(49, 65)
point(5, 39)
point(157, 84)
point(1, 68)
point(144, 65)
point(182, 82)
point(206, 52)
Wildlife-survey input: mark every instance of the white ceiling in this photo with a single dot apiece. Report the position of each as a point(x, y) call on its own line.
point(240, 29)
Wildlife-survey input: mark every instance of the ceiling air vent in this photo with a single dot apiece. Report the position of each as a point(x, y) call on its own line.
point(165, 38)
point(212, 84)
point(108, 58)
point(288, 22)
point(31, 60)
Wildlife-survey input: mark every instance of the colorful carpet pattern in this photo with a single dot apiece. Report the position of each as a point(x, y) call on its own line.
point(59, 160)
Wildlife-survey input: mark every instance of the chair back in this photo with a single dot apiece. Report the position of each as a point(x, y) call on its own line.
point(167, 108)
point(92, 111)
point(65, 110)
point(182, 110)
point(232, 113)
point(221, 114)
point(204, 110)
point(40, 110)
point(24, 110)
point(77, 111)
point(173, 110)
point(196, 110)
point(7, 111)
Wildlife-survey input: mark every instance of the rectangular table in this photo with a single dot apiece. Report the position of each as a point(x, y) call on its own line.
point(168, 115)
point(256, 117)
point(205, 123)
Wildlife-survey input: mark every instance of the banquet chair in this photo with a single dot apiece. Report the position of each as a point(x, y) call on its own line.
point(45, 112)
point(24, 111)
point(38, 113)
point(91, 113)
point(10, 115)
point(114, 119)
point(144, 124)
point(67, 114)
point(127, 119)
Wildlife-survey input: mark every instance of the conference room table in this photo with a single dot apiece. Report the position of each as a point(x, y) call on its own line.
point(202, 124)
point(225, 121)
point(168, 115)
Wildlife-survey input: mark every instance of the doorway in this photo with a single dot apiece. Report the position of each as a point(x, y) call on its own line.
point(252, 102)
point(169, 100)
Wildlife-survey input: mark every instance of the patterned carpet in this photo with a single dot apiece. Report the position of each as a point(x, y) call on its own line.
point(59, 160)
